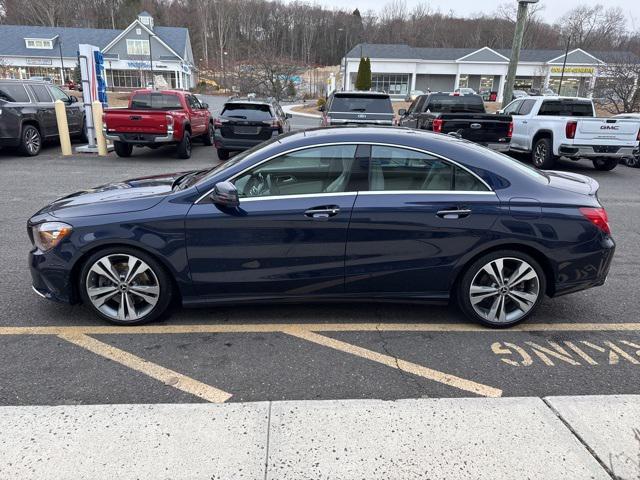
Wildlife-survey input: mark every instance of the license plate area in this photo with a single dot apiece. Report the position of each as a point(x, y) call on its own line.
point(246, 130)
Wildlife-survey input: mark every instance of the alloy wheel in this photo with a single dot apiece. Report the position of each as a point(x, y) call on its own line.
point(122, 287)
point(504, 290)
point(540, 154)
point(32, 140)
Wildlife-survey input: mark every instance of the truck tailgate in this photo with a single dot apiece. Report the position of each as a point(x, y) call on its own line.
point(607, 131)
point(477, 127)
point(125, 120)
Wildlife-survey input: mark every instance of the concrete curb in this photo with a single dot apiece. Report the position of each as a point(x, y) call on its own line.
point(466, 438)
point(287, 109)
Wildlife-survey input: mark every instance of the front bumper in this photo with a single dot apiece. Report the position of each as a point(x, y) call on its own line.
point(597, 151)
point(139, 139)
point(50, 277)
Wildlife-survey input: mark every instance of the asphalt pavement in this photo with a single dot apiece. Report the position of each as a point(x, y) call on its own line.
point(52, 354)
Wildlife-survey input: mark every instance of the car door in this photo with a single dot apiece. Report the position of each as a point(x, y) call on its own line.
point(420, 215)
point(75, 113)
point(198, 115)
point(521, 124)
point(518, 127)
point(410, 117)
point(287, 237)
point(45, 111)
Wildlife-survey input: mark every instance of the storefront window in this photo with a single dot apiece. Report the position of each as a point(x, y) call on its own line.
point(523, 83)
point(464, 81)
point(137, 78)
point(391, 83)
point(486, 83)
point(47, 72)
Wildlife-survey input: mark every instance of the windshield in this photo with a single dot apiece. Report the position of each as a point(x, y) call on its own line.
point(206, 175)
point(155, 101)
point(361, 103)
point(247, 111)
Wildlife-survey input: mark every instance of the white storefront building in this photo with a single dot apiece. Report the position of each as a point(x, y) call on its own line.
point(398, 69)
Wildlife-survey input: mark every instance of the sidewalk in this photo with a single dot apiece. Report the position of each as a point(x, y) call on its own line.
point(468, 438)
point(288, 109)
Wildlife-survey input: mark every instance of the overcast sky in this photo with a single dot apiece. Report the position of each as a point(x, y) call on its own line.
point(553, 8)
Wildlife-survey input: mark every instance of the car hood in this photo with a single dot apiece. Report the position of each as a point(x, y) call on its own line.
point(572, 182)
point(119, 197)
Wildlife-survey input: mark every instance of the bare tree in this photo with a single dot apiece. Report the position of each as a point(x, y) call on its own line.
point(618, 86)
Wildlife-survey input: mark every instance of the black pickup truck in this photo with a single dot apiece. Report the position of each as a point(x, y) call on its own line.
point(462, 116)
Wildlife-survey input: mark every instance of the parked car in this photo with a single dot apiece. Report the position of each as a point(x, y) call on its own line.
point(633, 160)
point(352, 214)
point(465, 91)
point(358, 108)
point(155, 118)
point(71, 85)
point(28, 117)
point(551, 127)
point(543, 91)
point(460, 115)
point(518, 94)
point(246, 122)
point(413, 94)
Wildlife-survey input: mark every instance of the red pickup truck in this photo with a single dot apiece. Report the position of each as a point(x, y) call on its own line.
point(155, 118)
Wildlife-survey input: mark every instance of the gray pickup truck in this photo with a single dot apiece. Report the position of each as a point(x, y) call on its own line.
point(28, 118)
point(358, 108)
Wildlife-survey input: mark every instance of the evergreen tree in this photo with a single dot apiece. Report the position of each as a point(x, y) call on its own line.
point(360, 78)
point(366, 76)
point(291, 89)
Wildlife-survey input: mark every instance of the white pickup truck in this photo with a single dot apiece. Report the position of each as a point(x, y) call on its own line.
point(552, 127)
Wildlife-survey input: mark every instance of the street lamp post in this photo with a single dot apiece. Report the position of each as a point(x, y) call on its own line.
point(523, 5)
point(61, 62)
point(344, 77)
point(564, 65)
point(153, 79)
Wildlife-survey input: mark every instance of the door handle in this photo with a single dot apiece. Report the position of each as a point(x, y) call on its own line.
point(454, 213)
point(322, 213)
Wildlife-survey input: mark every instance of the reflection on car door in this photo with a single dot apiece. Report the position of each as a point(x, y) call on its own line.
point(45, 110)
point(74, 111)
point(420, 215)
point(288, 236)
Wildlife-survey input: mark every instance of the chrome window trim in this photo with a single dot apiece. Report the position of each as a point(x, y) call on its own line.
point(301, 195)
point(380, 144)
point(425, 192)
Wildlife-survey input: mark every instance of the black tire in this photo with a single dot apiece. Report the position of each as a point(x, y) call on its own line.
point(209, 137)
point(223, 154)
point(605, 164)
point(30, 141)
point(184, 147)
point(463, 288)
point(123, 149)
point(633, 162)
point(82, 136)
point(542, 154)
point(165, 296)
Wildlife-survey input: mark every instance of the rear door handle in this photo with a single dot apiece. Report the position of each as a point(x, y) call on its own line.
point(454, 213)
point(322, 213)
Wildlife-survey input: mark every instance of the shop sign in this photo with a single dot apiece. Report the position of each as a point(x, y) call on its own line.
point(39, 61)
point(590, 70)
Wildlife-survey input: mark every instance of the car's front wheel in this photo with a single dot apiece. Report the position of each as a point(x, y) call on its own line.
point(125, 286)
point(501, 288)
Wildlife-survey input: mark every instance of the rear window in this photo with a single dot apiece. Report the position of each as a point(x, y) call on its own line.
point(455, 104)
point(568, 108)
point(361, 103)
point(247, 111)
point(155, 101)
point(14, 93)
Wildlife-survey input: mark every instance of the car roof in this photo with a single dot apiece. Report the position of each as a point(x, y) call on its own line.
point(29, 81)
point(250, 100)
point(356, 93)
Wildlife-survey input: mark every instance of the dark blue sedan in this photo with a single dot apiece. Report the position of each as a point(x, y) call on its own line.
point(346, 214)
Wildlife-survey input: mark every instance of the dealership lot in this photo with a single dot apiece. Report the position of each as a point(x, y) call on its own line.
point(586, 343)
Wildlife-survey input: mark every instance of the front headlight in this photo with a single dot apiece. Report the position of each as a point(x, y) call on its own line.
point(49, 234)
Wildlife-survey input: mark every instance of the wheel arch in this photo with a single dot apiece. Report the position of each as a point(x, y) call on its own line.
point(543, 133)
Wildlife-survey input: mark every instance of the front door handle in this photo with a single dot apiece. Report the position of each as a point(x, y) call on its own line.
point(322, 213)
point(454, 213)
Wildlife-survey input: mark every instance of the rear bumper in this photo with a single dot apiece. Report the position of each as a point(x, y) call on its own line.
point(139, 139)
point(339, 121)
point(236, 144)
point(497, 146)
point(590, 151)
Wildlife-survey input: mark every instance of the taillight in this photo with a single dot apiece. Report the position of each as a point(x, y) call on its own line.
point(570, 129)
point(217, 123)
point(510, 131)
point(597, 216)
point(169, 119)
point(437, 125)
point(638, 137)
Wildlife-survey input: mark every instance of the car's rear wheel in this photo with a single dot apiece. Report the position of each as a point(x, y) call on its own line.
point(30, 141)
point(123, 149)
point(223, 154)
point(209, 137)
point(501, 288)
point(125, 286)
point(542, 154)
point(184, 147)
point(605, 164)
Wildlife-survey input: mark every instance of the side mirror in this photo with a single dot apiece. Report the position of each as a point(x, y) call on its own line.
point(225, 194)
point(321, 108)
point(72, 99)
point(402, 112)
point(500, 112)
point(205, 106)
point(288, 115)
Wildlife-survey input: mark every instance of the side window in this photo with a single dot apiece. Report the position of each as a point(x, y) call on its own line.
point(422, 99)
point(314, 170)
point(513, 108)
point(193, 102)
point(527, 106)
point(413, 105)
point(59, 94)
point(41, 93)
point(14, 92)
point(398, 169)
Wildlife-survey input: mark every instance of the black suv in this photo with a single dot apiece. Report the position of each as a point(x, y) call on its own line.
point(358, 108)
point(246, 122)
point(28, 117)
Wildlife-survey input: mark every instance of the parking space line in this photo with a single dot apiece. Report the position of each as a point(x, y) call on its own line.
point(153, 370)
point(396, 363)
point(318, 327)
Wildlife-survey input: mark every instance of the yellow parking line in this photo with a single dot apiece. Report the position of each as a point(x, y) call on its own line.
point(399, 364)
point(153, 370)
point(318, 327)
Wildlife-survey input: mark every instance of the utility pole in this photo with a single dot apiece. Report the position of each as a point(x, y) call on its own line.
point(153, 79)
point(523, 5)
point(61, 62)
point(564, 65)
